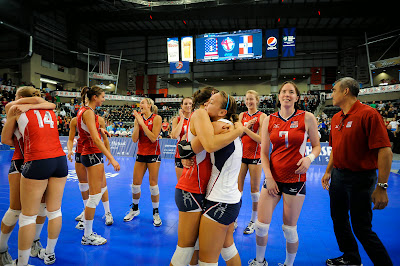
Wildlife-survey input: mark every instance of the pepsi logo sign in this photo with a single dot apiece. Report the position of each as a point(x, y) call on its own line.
point(178, 65)
point(272, 42)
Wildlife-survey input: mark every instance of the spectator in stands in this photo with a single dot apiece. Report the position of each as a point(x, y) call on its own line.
point(394, 125)
point(62, 112)
point(165, 128)
point(381, 105)
point(3, 101)
point(58, 101)
point(391, 113)
point(373, 104)
point(118, 124)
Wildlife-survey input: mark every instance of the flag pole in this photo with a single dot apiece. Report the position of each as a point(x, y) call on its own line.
point(88, 66)
point(119, 67)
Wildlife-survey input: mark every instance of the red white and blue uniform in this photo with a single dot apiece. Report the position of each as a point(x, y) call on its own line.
point(145, 146)
point(183, 132)
point(43, 154)
point(251, 148)
point(88, 145)
point(18, 156)
point(40, 135)
point(288, 138)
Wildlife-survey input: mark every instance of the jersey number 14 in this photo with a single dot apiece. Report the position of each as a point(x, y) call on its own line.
point(46, 119)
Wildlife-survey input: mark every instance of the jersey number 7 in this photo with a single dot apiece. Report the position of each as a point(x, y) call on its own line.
point(286, 134)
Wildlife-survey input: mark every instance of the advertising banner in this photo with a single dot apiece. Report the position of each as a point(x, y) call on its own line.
point(173, 49)
point(272, 43)
point(187, 48)
point(180, 67)
point(125, 147)
point(289, 42)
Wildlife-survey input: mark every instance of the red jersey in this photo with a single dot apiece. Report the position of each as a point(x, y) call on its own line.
point(18, 145)
point(79, 145)
point(356, 138)
point(183, 132)
point(40, 135)
point(145, 146)
point(195, 179)
point(88, 145)
point(288, 138)
point(251, 149)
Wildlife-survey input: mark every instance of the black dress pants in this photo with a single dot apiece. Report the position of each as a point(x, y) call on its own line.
point(351, 191)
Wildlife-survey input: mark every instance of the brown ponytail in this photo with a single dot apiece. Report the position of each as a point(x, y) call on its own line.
point(203, 95)
point(230, 106)
point(88, 92)
point(28, 91)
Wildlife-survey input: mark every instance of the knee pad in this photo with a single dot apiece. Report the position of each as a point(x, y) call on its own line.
point(182, 256)
point(104, 189)
point(261, 229)
point(26, 220)
point(93, 200)
point(290, 233)
point(154, 191)
point(229, 252)
point(135, 189)
point(54, 214)
point(255, 196)
point(42, 210)
point(11, 216)
point(207, 264)
point(197, 246)
point(83, 187)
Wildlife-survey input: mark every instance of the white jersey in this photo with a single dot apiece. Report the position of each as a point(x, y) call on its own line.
point(226, 163)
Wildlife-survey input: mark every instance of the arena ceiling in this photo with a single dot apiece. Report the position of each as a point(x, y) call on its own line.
point(114, 18)
point(167, 18)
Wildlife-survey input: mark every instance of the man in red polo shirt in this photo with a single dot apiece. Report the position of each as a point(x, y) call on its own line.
point(360, 145)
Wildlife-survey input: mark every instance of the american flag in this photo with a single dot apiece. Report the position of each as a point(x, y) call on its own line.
point(210, 47)
point(104, 64)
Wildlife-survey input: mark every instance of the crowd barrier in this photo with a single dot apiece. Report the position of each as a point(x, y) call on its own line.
point(126, 147)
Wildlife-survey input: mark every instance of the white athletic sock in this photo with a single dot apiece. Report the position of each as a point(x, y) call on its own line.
point(51, 244)
point(106, 205)
point(23, 257)
point(135, 201)
point(155, 204)
point(4, 241)
point(253, 216)
point(84, 203)
point(290, 258)
point(88, 227)
point(260, 253)
point(39, 228)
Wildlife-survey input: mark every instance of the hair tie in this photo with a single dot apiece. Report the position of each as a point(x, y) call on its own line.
point(227, 104)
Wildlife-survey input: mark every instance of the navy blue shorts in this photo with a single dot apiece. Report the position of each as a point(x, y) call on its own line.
point(45, 168)
point(251, 161)
point(178, 163)
point(298, 188)
point(223, 213)
point(78, 158)
point(15, 167)
point(89, 160)
point(188, 202)
point(148, 158)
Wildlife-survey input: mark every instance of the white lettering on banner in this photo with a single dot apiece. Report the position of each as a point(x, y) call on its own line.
point(325, 150)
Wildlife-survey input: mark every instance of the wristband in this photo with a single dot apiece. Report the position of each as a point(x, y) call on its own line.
point(311, 157)
point(185, 149)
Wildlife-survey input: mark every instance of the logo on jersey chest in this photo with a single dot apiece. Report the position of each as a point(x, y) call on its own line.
point(276, 126)
point(294, 124)
point(349, 124)
point(150, 123)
